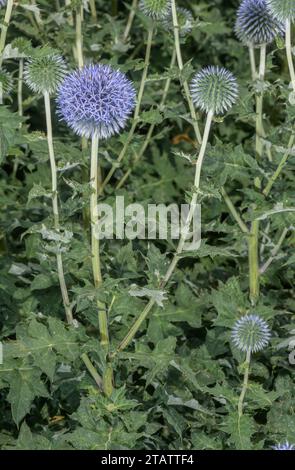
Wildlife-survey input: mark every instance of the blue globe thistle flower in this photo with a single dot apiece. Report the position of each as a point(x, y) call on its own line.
point(45, 73)
point(185, 21)
point(96, 99)
point(251, 333)
point(155, 9)
point(283, 10)
point(285, 446)
point(255, 24)
point(214, 89)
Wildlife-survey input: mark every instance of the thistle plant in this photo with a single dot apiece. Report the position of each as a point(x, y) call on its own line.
point(284, 11)
point(250, 334)
point(155, 9)
point(257, 27)
point(43, 74)
point(96, 102)
point(213, 90)
point(284, 446)
point(185, 22)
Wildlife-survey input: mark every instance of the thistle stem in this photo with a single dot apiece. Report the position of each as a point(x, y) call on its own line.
point(93, 9)
point(245, 384)
point(274, 251)
point(4, 28)
point(280, 167)
point(253, 241)
point(180, 66)
point(137, 324)
point(151, 129)
point(237, 217)
point(252, 62)
point(70, 14)
point(79, 37)
point(130, 20)
point(95, 257)
point(289, 53)
point(20, 88)
point(136, 112)
point(60, 270)
point(92, 371)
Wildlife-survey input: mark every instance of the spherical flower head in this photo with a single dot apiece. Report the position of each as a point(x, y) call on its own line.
point(214, 89)
point(44, 74)
point(251, 333)
point(283, 10)
point(6, 82)
point(96, 99)
point(255, 24)
point(284, 446)
point(185, 21)
point(155, 9)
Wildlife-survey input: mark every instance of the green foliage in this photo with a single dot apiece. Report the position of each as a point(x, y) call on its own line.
point(177, 385)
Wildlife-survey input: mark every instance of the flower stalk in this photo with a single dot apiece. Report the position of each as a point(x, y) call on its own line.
point(245, 383)
point(60, 269)
point(289, 52)
point(4, 29)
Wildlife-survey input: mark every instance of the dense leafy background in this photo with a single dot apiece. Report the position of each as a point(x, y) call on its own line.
point(178, 383)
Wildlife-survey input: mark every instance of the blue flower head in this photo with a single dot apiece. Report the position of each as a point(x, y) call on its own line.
point(255, 24)
point(214, 89)
point(284, 446)
point(96, 99)
point(251, 333)
point(282, 9)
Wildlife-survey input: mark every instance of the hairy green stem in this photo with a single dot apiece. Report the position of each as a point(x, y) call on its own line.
point(148, 137)
point(93, 9)
point(20, 88)
point(130, 20)
point(180, 66)
point(95, 257)
point(237, 217)
point(253, 241)
point(280, 167)
point(245, 384)
point(136, 112)
point(92, 371)
point(137, 324)
point(60, 270)
point(4, 29)
point(289, 53)
point(274, 251)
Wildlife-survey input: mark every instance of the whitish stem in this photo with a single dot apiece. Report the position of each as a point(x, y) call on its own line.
point(60, 270)
point(136, 113)
point(289, 52)
point(151, 129)
point(274, 251)
point(180, 65)
point(137, 324)
point(130, 20)
point(79, 37)
point(4, 28)
point(20, 88)
point(252, 62)
point(93, 9)
point(245, 384)
point(95, 257)
point(259, 103)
